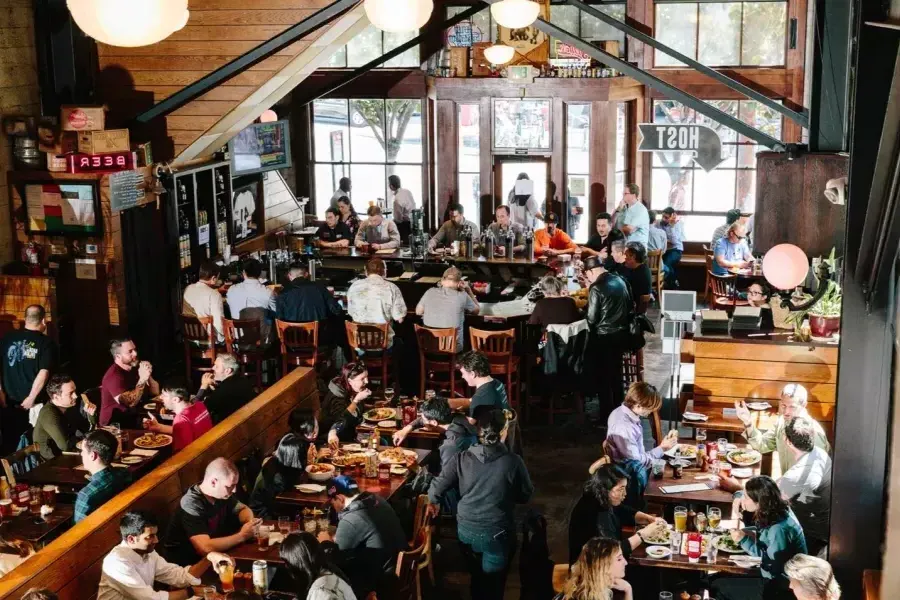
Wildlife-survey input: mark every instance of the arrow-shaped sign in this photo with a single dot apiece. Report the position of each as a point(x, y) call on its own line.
point(700, 140)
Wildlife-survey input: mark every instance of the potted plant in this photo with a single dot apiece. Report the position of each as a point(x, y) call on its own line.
point(824, 315)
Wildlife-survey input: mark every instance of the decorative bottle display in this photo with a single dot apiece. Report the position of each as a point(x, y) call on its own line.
point(509, 243)
point(529, 245)
point(470, 242)
point(488, 244)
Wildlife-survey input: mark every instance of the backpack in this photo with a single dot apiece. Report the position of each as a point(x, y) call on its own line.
point(535, 566)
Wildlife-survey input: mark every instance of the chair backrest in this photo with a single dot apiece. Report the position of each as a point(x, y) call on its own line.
point(367, 336)
point(495, 345)
point(436, 341)
point(632, 368)
point(654, 260)
point(242, 335)
point(420, 519)
point(560, 577)
point(643, 302)
point(297, 337)
point(722, 285)
point(407, 570)
point(21, 461)
point(198, 330)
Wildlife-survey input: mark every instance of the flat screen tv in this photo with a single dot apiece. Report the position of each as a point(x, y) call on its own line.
point(261, 147)
point(62, 208)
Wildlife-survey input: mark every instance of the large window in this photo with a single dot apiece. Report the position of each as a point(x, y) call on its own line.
point(578, 169)
point(366, 140)
point(372, 43)
point(469, 169)
point(729, 33)
point(588, 27)
point(621, 152)
point(703, 198)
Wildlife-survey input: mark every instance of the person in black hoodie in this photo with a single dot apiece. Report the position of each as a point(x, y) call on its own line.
point(600, 512)
point(369, 537)
point(304, 301)
point(491, 481)
point(343, 408)
point(224, 390)
point(284, 468)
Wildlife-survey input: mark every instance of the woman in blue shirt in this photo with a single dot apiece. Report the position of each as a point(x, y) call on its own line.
point(777, 538)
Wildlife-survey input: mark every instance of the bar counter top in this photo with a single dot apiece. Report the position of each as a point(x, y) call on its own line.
point(405, 254)
point(780, 337)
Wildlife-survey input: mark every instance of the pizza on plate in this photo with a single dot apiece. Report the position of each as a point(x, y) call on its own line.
point(153, 440)
point(397, 456)
point(379, 414)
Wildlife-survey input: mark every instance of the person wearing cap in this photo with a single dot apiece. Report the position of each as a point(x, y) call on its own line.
point(553, 241)
point(369, 535)
point(608, 315)
point(731, 217)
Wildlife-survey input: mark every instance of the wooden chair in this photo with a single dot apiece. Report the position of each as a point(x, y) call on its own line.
point(199, 344)
point(654, 261)
point(707, 287)
point(21, 461)
point(299, 345)
point(437, 359)
point(407, 572)
point(724, 292)
point(244, 340)
point(498, 347)
point(560, 577)
point(422, 532)
point(369, 342)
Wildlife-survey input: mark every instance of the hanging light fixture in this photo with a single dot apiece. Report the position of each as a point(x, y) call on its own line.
point(515, 14)
point(129, 23)
point(399, 16)
point(268, 116)
point(499, 54)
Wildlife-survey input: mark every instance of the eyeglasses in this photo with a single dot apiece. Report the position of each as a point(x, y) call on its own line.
point(753, 293)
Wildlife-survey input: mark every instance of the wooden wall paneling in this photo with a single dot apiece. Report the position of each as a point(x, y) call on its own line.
point(777, 371)
point(639, 14)
point(820, 411)
point(383, 83)
point(773, 82)
point(635, 172)
point(791, 206)
point(447, 164)
point(796, 353)
point(757, 388)
point(489, 200)
point(75, 556)
point(603, 156)
point(570, 90)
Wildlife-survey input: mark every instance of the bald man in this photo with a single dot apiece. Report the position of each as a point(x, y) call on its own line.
point(209, 518)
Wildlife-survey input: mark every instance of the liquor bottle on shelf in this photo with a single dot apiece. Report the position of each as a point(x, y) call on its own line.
point(182, 193)
point(220, 183)
point(184, 223)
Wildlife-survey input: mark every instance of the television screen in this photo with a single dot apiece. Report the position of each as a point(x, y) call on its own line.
point(261, 147)
point(61, 208)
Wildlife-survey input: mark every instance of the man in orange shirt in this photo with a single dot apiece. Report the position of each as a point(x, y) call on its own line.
point(553, 240)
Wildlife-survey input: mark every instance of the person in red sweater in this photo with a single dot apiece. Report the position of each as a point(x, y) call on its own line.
point(191, 417)
point(553, 241)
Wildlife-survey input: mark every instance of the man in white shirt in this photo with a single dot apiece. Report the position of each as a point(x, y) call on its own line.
point(202, 299)
point(343, 190)
point(375, 300)
point(132, 567)
point(632, 217)
point(377, 232)
point(250, 293)
point(403, 205)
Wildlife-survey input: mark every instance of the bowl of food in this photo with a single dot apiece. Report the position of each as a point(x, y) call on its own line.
point(320, 471)
point(658, 551)
point(743, 458)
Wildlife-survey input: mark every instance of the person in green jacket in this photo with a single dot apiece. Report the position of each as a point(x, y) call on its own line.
point(775, 538)
point(794, 398)
point(60, 423)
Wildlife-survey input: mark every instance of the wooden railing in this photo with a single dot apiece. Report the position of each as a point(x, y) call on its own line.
point(70, 565)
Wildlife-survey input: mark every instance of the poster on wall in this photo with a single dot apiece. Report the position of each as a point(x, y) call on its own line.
point(61, 208)
point(245, 202)
point(531, 44)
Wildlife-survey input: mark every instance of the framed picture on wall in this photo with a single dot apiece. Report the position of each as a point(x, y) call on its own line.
point(247, 206)
point(521, 125)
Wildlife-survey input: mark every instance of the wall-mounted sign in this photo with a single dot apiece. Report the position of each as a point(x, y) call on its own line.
point(564, 50)
point(700, 140)
point(101, 163)
point(126, 190)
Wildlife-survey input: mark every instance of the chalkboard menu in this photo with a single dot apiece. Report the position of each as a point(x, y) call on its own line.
point(126, 190)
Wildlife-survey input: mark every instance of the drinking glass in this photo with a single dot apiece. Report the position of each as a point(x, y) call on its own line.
point(284, 525)
point(658, 468)
point(715, 517)
point(665, 596)
point(389, 394)
point(226, 576)
point(209, 593)
point(680, 519)
point(675, 542)
point(262, 537)
point(701, 436)
point(712, 551)
point(723, 446)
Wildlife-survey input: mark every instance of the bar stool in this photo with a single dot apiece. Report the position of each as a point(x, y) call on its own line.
point(299, 344)
point(437, 356)
point(199, 344)
point(244, 340)
point(498, 347)
point(369, 342)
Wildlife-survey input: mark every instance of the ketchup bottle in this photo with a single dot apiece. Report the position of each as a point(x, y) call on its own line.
point(694, 546)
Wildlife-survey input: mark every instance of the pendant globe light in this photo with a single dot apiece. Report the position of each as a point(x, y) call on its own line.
point(515, 14)
point(399, 16)
point(499, 54)
point(129, 23)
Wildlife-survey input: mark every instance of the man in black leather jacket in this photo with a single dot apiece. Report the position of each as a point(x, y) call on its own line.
point(608, 314)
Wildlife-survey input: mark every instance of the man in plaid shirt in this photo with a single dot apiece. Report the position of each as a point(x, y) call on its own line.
point(97, 453)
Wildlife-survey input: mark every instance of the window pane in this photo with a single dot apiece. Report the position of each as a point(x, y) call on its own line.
point(331, 132)
point(577, 191)
point(404, 142)
point(699, 228)
point(367, 131)
point(338, 59)
point(593, 29)
point(370, 183)
point(364, 47)
point(720, 33)
point(410, 58)
point(676, 27)
point(469, 139)
point(621, 136)
point(565, 17)
point(747, 156)
point(522, 124)
point(746, 191)
point(410, 179)
point(578, 133)
point(764, 33)
point(327, 179)
point(469, 194)
point(673, 160)
point(672, 187)
point(761, 117)
point(714, 191)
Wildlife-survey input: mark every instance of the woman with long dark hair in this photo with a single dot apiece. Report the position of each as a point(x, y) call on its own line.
point(315, 578)
point(491, 480)
point(599, 570)
point(777, 538)
point(280, 472)
point(348, 215)
point(343, 407)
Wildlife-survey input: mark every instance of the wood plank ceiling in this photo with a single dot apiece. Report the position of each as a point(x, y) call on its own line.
point(133, 79)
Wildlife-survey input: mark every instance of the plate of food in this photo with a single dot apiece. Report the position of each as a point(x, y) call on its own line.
point(658, 551)
point(132, 460)
point(743, 458)
point(387, 424)
point(398, 456)
point(380, 414)
point(153, 440)
point(310, 488)
point(399, 470)
point(348, 459)
point(662, 536)
point(320, 471)
point(682, 451)
point(725, 544)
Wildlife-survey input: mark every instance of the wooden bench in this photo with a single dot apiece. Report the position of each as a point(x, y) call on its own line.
point(70, 566)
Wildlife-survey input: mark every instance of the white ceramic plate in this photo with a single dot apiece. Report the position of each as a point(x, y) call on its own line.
point(756, 456)
point(759, 405)
point(132, 460)
point(385, 424)
point(658, 551)
point(352, 447)
point(310, 488)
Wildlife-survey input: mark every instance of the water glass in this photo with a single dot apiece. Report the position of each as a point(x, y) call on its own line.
point(723, 446)
point(209, 593)
point(675, 542)
point(712, 550)
point(284, 525)
point(389, 394)
point(665, 596)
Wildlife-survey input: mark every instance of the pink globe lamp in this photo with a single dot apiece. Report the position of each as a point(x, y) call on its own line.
point(268, 116)
point(785, 266)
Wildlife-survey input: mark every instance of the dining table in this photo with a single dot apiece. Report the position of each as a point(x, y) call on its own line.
point(39, 530)
point(723, 418)
point(679, 560)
